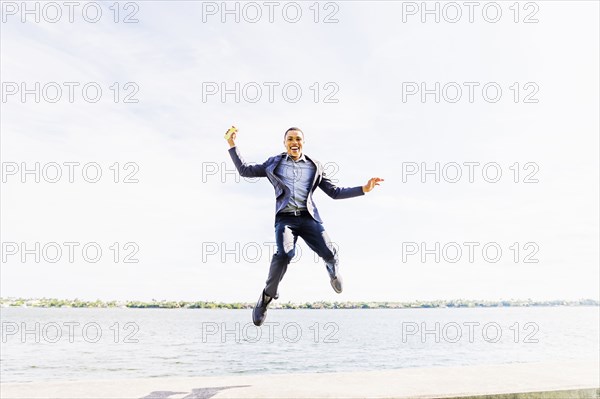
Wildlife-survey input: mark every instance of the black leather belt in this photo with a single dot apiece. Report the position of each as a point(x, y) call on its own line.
point(295, 213)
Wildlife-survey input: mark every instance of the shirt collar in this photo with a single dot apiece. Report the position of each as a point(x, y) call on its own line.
point(288, 158)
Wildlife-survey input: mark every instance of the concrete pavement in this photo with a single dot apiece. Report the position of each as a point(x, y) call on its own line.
point(575, 379)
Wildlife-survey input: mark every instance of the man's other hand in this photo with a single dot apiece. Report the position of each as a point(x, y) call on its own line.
point(374, 181)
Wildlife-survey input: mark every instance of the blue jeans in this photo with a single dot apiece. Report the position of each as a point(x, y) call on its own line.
point(287, 230)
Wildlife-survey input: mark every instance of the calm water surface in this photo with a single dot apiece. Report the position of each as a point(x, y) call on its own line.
point(64, 344)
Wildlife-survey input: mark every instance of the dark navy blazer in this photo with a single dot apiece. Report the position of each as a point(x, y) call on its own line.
point(282, 193)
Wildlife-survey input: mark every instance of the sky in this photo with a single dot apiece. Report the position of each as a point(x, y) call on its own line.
point(483, 123)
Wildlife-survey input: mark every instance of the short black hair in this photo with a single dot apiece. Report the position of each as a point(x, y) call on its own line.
point(293, 129)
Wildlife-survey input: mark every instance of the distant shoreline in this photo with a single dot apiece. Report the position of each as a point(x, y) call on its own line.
point(163, 304)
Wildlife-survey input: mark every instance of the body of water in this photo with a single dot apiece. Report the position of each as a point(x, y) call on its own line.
point(40, 344)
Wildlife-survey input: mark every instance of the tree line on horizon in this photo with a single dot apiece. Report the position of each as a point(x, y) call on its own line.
point(164, 304)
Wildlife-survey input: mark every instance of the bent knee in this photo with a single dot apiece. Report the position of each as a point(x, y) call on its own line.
point(285, 256)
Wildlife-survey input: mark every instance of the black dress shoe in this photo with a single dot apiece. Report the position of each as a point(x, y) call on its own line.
point(335, 279)
point(259, 314)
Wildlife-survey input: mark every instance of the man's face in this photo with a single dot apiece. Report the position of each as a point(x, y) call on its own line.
point(293, 142)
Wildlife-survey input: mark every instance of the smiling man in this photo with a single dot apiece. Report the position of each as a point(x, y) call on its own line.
point(295, 177)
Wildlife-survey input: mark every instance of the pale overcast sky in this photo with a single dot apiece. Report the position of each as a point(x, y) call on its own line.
point(187, 214)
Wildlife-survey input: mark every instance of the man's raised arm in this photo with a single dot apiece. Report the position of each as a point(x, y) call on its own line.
point(244, 169)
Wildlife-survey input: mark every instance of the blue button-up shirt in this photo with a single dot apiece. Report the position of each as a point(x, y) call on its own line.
point(298, 177)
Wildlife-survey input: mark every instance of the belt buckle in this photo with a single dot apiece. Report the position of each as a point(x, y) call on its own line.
point(296, 213)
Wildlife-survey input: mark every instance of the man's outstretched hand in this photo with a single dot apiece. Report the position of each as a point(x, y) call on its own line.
point(374, 181)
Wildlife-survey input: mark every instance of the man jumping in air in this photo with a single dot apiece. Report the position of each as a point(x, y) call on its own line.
point(295, 177)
